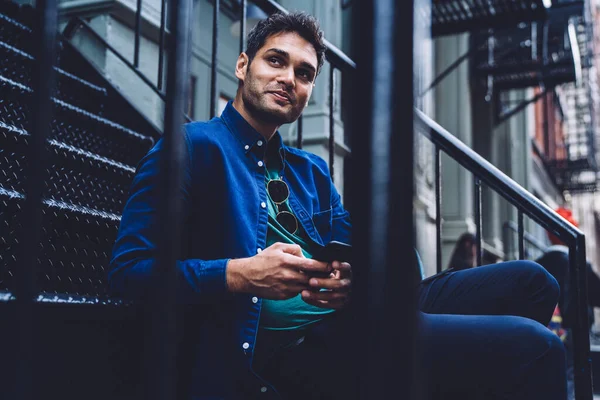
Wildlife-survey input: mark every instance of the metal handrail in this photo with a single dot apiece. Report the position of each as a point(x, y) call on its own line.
point(527, 204)
point(75, 22)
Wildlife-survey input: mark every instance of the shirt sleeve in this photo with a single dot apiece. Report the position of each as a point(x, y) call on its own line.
point(135, 256)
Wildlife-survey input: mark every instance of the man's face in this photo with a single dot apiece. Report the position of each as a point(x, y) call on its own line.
point(278, 82)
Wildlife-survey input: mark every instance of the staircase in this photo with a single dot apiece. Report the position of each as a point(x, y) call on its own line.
point(91, 163)
point(95, 142)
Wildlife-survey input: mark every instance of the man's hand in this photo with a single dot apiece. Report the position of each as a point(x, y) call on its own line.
point(279, 272)
point(338, 287)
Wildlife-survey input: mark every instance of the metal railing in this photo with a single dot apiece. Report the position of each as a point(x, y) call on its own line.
point(43, 84)
point(526, 204)
point(511, 226)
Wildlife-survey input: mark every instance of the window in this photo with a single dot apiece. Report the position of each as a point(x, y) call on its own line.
point(223, 100)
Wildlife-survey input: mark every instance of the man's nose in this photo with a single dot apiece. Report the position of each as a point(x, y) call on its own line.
point(287, 78)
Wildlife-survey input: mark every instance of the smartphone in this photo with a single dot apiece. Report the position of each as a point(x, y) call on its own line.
point(334, 251)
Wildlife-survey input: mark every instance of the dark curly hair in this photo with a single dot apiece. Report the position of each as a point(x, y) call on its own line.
point(301, 23)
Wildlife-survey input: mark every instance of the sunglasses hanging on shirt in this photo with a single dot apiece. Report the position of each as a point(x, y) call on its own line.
point(279, 192)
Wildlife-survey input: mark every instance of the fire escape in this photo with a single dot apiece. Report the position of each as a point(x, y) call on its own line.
point(554, 55)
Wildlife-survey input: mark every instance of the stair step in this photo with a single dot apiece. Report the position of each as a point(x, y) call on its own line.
point(73, 175)
point(59, 298)
point(18, 66)
point(74, 252)
point(15, 33)
point(75, 126)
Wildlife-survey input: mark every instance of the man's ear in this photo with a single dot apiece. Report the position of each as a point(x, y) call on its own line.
point(241, 66)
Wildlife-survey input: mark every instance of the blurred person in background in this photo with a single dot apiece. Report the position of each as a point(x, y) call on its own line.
point(464, 255)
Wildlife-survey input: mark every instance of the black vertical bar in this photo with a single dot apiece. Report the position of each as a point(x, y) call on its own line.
point(478, 220)
point(546, 126)
point(160, 365)
point(213, 66)
point(243, 9)
point(136, 43)
point(161, 44)
point(331, 119)
point(44, 39)
point(521, 230)
point(581, 337)
point(381, 133)
point(438, 208)
point(300, 132)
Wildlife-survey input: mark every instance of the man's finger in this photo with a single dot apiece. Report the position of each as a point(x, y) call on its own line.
point(299, 278)
point(333, 304)
point(339, 285)
point(325, 295)
point(307, 264)
point(341, 266)
point(292, 249)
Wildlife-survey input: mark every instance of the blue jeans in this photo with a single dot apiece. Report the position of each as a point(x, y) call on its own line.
point(485, 337)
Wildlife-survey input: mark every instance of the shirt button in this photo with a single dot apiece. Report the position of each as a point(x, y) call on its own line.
point(246, 147)
point(263, 204)
point(258, 250)
point(255, 300)
point(263, 389)
point(259, 143)
point(246, 345)
point(260, 164)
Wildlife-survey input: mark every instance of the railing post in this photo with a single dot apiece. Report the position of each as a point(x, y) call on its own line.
point(243, 9)
point(161, 44)
point(381, 128)
point(300, 128)
point(214, 59)
point(580, 330)
point(160, 356)
point(136, 43)
point(521, 231)
point(438, 209)
point(478, 234)
point(44, 37)
point(331, 119)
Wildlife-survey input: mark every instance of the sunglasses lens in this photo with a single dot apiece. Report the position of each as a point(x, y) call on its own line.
point(278, 191)
point(288, 221)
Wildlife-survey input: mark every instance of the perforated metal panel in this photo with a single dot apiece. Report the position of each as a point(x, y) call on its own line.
point(91, 163)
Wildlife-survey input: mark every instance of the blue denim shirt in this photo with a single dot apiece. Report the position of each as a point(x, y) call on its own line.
point(224, 196)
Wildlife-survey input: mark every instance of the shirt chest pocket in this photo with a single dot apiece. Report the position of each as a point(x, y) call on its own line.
point(322, 223)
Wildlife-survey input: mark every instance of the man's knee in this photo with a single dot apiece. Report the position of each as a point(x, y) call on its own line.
point(544, 344)
point(555, 356)
point(540, 281)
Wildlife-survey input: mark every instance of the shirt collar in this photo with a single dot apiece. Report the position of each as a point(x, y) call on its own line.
point(249, 137)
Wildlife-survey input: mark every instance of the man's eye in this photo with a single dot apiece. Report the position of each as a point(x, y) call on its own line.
point(305, 75)
point(274, 60)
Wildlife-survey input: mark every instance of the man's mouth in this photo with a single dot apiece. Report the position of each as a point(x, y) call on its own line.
point(282, 96)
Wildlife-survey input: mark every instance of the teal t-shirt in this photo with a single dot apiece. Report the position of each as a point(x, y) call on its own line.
point(294, 313)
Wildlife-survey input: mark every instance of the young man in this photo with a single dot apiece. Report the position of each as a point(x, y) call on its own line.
point(255, 213)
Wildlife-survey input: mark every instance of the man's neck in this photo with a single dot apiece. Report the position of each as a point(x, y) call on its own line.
point(266, 130)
